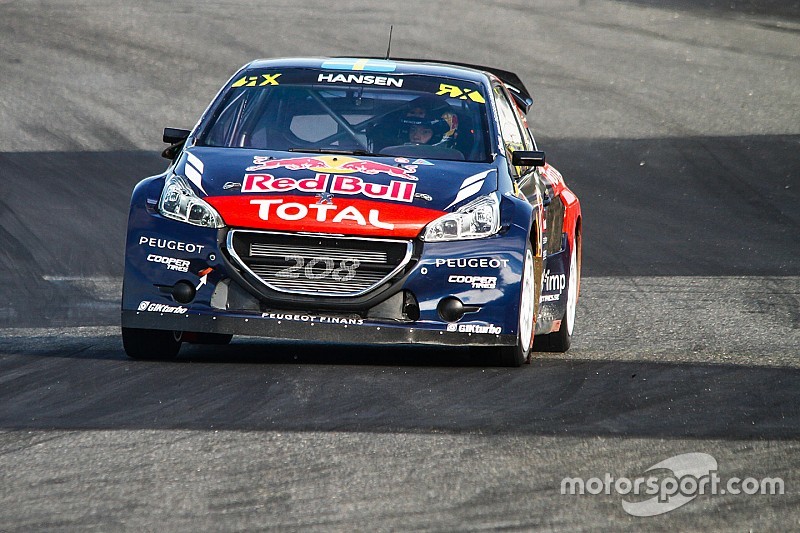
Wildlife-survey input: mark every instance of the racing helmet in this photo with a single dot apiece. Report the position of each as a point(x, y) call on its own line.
point(427, 113)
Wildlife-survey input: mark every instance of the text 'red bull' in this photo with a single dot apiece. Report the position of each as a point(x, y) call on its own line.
point(399, 191)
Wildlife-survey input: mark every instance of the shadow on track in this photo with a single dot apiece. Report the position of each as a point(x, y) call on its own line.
point(88, 383)
point(696, 206)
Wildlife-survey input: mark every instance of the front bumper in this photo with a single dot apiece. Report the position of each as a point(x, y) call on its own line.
point(161, 253)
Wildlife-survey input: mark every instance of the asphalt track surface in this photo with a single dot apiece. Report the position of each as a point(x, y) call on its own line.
point(676, 122)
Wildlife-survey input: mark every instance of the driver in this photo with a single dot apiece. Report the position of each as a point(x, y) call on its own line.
point(420, 134)
point(429, 121)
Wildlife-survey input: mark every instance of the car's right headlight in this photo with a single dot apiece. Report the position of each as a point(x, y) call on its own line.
point(479, 218)
point(178, 201)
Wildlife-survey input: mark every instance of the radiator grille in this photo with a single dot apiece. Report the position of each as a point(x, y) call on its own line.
point(318, 265)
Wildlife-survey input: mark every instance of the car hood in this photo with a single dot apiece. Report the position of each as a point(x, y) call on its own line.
point(332, 193)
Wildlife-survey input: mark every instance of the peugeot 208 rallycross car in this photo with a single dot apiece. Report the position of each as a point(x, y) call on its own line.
point(355, 200)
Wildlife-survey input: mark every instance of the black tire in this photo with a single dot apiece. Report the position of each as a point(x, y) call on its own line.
point(512, 356)
point(560, 341)
point(217, 339)
point(151, 344)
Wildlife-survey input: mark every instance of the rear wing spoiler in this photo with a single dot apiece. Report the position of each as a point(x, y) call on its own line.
point(511, 80)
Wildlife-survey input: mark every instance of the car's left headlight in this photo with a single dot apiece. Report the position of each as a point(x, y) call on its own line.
point(178, 201)
point(479, 218)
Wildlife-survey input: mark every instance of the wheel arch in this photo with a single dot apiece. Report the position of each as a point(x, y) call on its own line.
point(573, 218)
point(535, 238)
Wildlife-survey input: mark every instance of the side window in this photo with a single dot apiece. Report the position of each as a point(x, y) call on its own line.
point(527, 136)
point(226, 122)
point(513, 139)
point(235, 123)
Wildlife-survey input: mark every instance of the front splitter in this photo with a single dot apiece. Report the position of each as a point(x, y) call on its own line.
point(257, 326)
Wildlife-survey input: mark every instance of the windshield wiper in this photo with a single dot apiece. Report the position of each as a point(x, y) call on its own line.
point(343, 151)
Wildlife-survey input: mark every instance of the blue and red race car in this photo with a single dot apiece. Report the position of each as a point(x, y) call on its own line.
point(355, 200)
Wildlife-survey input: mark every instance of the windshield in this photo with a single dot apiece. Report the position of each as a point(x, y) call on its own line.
point(308, 110)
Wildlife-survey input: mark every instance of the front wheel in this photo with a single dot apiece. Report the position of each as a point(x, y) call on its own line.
point(528, 309)
point(151, 344)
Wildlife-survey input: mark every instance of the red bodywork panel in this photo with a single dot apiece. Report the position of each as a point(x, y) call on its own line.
point(349, 216)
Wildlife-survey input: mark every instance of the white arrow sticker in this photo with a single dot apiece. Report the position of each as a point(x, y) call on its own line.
point(470, 186)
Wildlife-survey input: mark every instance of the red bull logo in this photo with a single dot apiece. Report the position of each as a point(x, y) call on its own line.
point(294, 163)
point(399, 191)
point(331, 178)
point(373, 167)
point(333, 164)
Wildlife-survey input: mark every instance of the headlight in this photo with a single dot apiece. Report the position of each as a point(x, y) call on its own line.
point(479, 218)
point(178, 201)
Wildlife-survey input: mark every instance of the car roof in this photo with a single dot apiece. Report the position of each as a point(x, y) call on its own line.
point(465, 71)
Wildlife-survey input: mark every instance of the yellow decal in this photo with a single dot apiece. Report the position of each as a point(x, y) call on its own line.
point(269, 79)
point(252, 81)
point(462, 94)
point(360, 64)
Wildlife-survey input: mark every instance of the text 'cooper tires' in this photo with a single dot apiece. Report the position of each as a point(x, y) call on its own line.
point(151, 344)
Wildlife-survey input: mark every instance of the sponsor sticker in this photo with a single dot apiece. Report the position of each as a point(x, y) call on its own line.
point(477, 282)
point(325, 164)
point(257, 81)
point(294, 211)
point(470, 186)
point(472, 262)
point(194, 171)
point(167, 244)
point(145, 305)
point(400, 191)
point(555, 282)
point(451, 91)
point(361, 79)
point(316, 319)
point(347, 215)
point(367, 65)
point(491, 329)
point(171, 263)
